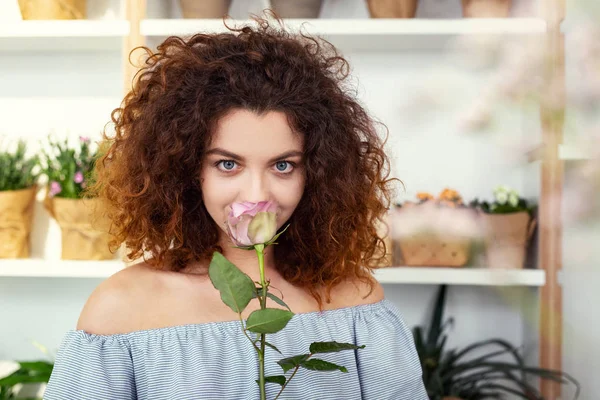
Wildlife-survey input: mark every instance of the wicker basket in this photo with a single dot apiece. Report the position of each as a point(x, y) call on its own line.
point(53, 9)
point(428, 235)
point(432, 251)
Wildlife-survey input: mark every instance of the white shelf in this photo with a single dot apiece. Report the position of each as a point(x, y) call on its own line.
point(367, 34)
point(575, 151)
point(36, 268)
point(63, 35)
point(462, 276)
point(401, 275)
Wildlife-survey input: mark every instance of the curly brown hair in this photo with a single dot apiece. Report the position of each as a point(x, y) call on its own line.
point(149, 175)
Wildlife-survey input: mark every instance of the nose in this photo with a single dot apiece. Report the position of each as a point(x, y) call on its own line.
point(257, 188)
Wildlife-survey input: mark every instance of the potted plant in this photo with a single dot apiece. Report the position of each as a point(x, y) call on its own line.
point(83, 223)
point(392, 8)
point(53, 9)
point(486, 8)
point(297, 8)
point(475, 372)
point(204, 9)
point(24, 379)
point(508, 224)
point(433, 232)
point(18, 178)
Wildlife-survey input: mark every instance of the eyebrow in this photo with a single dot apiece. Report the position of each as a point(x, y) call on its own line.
point(233, 156)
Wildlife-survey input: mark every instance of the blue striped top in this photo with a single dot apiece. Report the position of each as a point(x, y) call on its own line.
point(216, 361)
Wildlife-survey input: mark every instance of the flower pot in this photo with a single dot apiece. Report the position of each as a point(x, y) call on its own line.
point(506, 238)
point(204, 8)
point(297, 8)
point(16, 214)
point(53, 9)
point(392, 8)
point(428, 235)
point(84, 228)
point(486, 8)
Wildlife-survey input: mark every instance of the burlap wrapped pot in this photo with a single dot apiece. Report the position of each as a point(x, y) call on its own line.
point(84, 227)
point(53, 9)
point(16, 214)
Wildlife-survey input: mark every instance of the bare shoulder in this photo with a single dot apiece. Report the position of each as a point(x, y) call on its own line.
point(114, 305)
point(356, 293)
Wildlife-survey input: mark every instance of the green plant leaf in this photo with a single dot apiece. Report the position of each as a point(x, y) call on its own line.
point(332, 347)
point(292, 362)
point(273, 347)
point(268, 320)
point(279, 379)
point(317, 364)
point(277, 300)
point(236, 288)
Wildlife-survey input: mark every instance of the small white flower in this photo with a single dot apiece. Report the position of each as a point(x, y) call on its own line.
point(501, 189)
point(501, 197)
point(513, 199)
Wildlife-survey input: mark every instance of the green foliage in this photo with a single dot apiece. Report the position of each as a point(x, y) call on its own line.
point(268, 320)
point(69, 170)
point(16, 170)
point(506, 201)
point(28, 372)
point(461, 374)
point(236, 288)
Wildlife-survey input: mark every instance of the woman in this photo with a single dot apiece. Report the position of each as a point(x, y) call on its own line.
point(255, 114)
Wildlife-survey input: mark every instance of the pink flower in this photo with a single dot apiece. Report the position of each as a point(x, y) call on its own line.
point(55, 188)
point(78, 178)
point(84, 139)
point(252, 223)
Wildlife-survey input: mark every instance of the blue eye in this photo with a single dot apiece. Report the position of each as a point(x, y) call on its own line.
point(281, 165)
point(228, 165)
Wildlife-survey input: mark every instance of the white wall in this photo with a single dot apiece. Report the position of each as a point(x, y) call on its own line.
point(76, 92)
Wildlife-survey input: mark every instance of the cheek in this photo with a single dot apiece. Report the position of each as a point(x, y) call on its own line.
point(289, 197)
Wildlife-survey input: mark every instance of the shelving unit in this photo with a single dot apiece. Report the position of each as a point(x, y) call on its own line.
point(53, 35)
point(391, 275)
point(354, 35)
point(368, 34)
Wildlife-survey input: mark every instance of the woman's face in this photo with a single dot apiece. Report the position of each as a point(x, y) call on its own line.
point(252, 158)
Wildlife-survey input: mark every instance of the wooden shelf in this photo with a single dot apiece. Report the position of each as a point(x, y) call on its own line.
point(63, 35)
point(462, 276)
point(367, 34)
point(401, 275)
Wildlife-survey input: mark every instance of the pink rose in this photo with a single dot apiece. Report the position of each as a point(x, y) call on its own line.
point(252, 223)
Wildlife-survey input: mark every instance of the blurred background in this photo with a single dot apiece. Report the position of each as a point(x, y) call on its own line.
point(491, 108)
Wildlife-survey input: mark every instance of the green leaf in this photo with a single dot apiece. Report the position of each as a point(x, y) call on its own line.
point(269, 320)
point(277, 300)
point(273, 347)
point(292, 362)
point(274, 238)
point(236, 288)
point(316, 364)
point(332, 347)
point(279, 379)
